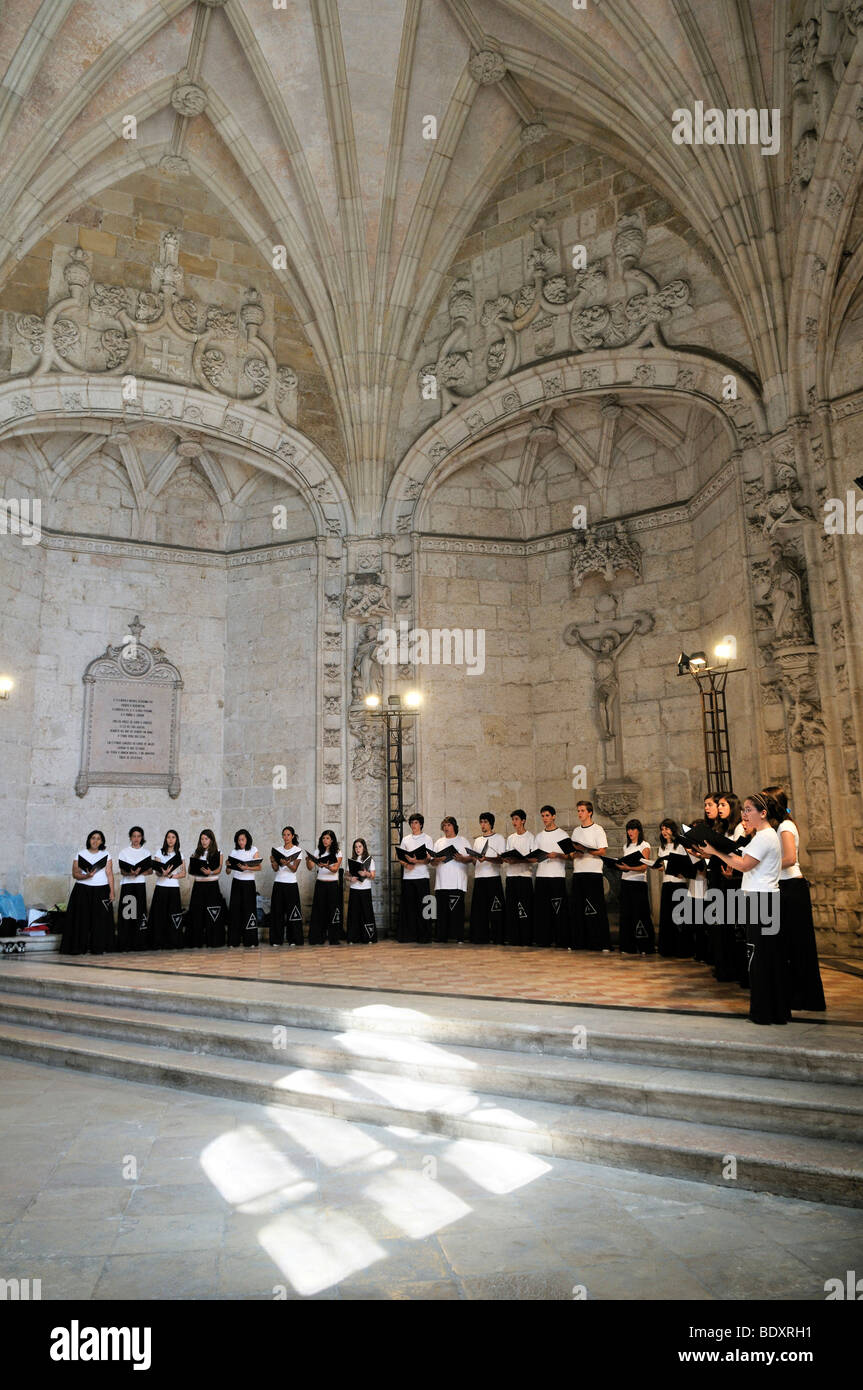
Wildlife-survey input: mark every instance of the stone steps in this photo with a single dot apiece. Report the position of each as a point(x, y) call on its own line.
point(780, 1106)
point(635, 1096)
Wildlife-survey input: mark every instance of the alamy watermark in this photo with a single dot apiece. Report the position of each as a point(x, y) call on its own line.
point(437, 646)
point(21, 516)
point(737, 126)
point(726, 907)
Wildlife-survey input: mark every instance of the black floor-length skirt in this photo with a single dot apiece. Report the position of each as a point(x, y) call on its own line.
point(206, 920)
point(518, 924)
point(636, 923)
point(588, 913)
point(243, 913)
point(88, 923)
point(449, 914)
point(675, 938)
point(415, 918)
point(325, 924)
point(286, 915)
point(132, 917)
point(166, 919)
point(798, 930)
point(486, 911)
point(769, 969)
point(361, 918)
point(550, 916)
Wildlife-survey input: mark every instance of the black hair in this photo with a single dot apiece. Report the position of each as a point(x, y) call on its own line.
point(212, 852)
point(101, 835)
point(547, 808)
point(416, 816)
point(489, 816)
point(522, 815)
point(140, 831)
point(170, 831)
point(334, 847)
point(780, 796)
point(293, 833)
point(732, 820)
point(673, 827)
point(635, 825)
point(360, 841)
point(249, 841)
point(588, 804)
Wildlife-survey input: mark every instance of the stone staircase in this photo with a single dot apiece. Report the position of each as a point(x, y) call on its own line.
point(688, 1096)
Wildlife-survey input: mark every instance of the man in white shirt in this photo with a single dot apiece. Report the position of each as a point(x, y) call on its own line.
point(550, 925)
point(519, 884)
point(450, 884)
point(486, 907)
point(589, 917)
point(414, 914)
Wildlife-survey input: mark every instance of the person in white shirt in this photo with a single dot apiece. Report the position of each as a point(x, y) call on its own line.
point(166, 909)
point(760, 863)
point(519, 885)
point(325, 924)
point(674, 940)
point(728, 936)
point(132, 900)
point(243, 903)
point(795, 905)
point(588, 913)
point(415, 908)
point(361, 910)
point(88, 922)
point(636, 922)
point(486, 905)
point(450, 882)
point(206, 920)
point(550, 917)
point(286, 915)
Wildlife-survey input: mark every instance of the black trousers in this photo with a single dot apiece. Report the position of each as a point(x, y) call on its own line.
point(550, 917)
point(206, 921)
point(486, 911)
point(769, 968)
point(131, 915)
point(243, 913)
point(636, 923)
point(518, 928)
point(449, 925)
point(795, 903)
point(286, 918)
point(415, 919)
point(362, 930)
point(589, 914)
point(326, 920)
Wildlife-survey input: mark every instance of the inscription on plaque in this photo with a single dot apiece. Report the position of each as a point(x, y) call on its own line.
point(131, 727)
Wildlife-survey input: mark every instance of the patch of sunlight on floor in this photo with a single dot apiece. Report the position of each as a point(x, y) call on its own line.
point(334, 1142)
point(243, 1165)
point(390, 1012)
point(418, 1204)
point(416, 1095)
point(493, 1166)
point(317, 1248)
point(365, 1044)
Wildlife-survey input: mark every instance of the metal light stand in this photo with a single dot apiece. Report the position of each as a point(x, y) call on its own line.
point(714, 725)
point(395, 716)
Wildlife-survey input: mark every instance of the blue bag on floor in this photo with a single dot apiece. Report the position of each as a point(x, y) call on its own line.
point(12, 905)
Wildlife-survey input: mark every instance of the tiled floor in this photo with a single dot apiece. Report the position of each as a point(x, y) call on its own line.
point(509, 972)
point(112, 1189)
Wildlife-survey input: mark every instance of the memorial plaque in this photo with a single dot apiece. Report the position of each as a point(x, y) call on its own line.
point(131, 729)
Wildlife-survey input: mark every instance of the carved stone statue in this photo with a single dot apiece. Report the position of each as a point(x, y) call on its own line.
point(785, 596)
point(367, 676)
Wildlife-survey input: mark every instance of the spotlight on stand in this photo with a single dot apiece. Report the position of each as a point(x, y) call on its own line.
point(413, 699)
point(714, 718)
point(372, 701)
point(726, 649)
point(684, 664)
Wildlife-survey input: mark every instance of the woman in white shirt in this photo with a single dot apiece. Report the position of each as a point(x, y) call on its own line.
point(636, 924)
point(166, 910)
point(674, 940)
point(88, 922)
point(798, 929)
point(325, 925)
point(361, 910)
point(518, 902)
point(132, 932)
point(414, 917)
point(286, 914)
point(486, 904)
point(206, 919)
point(450, 883)
point(243, 904)
point(760, 863)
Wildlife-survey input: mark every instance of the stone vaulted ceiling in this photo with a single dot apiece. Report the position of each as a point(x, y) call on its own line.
point(309, 120)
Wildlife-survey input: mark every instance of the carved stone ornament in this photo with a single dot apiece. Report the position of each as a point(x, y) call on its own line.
point(603, 550)
point(617, 799)
point(798, 690)
point(487, 66)
point(369, 759)
point(366, 597)
point(189, 99)
point(130, 733)
point(157, 334)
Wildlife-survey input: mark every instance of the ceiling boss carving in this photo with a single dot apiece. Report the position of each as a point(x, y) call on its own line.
point(158, 334)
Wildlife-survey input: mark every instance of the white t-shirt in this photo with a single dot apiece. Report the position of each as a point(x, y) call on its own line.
point(327, 873)
point(451, 875)
point(488, 867)
point(132, 856)
point(765, 846)
point(794, 871)
point(663, 854)
point(525, 844)
point(100, 878)
point(283, 874)
point(163, 859)
point(635, 875)
point(240, 874)
point(410, 843)
point(549, 841)
point(365, 884)
point(595, 838)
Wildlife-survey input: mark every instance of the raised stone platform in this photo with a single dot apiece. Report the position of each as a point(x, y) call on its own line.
point(691, 1096)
